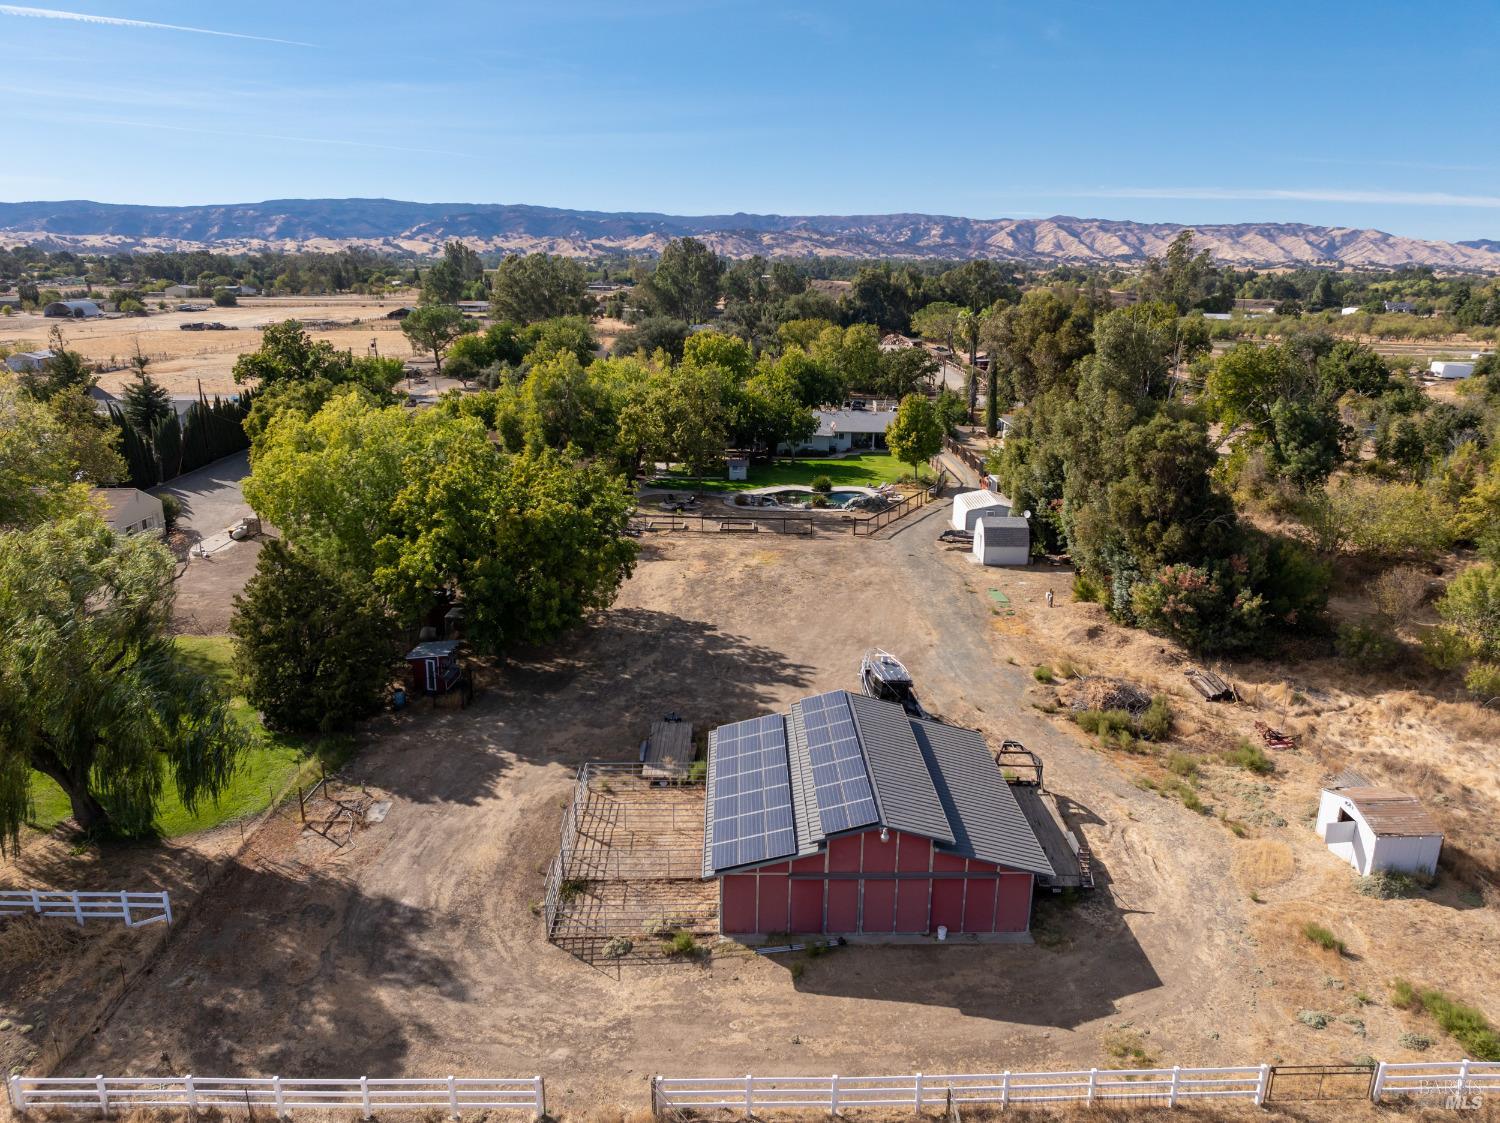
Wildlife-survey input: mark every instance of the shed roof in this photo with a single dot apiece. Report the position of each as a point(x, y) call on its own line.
point(433, 649)
point(832, 422)
point(1392, 813)
point(928, 779)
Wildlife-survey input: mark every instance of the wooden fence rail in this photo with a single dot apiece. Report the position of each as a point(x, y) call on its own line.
point(363, 1094)
point(750, 1094)
point(134, 908)
point(1455, 1083)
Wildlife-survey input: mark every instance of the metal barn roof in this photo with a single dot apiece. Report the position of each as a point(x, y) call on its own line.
point(927, 779)
point(1392, 813)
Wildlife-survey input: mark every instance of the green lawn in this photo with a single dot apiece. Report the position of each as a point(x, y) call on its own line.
point(862, 470)
point(269, 766)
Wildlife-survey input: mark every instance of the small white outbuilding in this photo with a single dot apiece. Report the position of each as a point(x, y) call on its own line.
point(1374, 828)
point(969, 505)
point(1002, 540)
point(1440, 369)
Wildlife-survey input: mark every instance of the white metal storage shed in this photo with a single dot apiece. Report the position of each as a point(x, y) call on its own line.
point(1002, 540)
point(1451, 370)
point(1374, 828)
point(969, 505)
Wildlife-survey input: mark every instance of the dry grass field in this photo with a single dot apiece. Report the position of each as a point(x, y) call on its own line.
point(418, 949)
point(181, 360)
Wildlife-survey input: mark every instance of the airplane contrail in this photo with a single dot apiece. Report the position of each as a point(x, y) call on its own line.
point(117, 21)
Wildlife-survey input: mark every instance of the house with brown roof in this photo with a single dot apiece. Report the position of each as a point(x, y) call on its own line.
point(1375, 828)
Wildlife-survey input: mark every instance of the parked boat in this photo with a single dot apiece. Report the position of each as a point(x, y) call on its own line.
point(883, 676)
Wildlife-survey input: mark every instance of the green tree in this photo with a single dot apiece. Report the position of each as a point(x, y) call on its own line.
point(146, 400)
point(905, 370)
point(916, 434)
point(539, 286)
point(1186, 279)
point(433, 328)
point(653, 334)
point(770, 412)
point(314, 648)
point(448, 280)
point(685, 283)
point(288, 353)
point(938, 321)
point(225, 298)
point(1471, 606)
point(64, 372)
point(93, 692)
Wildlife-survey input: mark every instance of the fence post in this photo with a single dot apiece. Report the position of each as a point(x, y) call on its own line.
point(655, 1098)
point(833, 1095)
point(1379, 1085)
point(1005, 1089)
point(17, 1094)
point(36, 902)
point(1463, 1081)
point(103, 1093)
point(452, 1096)
point(166, 904)
point(192, 1093)
point(78, 908)
point(280, 1097)
point(1176, 1080)
point(539, 1089)
point(364, 1097)
point(125, 908)
point(749, 1095)
point(917, 1097)
point(1093, 1083)
point(1263, 1085)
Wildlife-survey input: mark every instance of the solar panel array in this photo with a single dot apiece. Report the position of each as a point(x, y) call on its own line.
point(752, 794)
point(845, 799)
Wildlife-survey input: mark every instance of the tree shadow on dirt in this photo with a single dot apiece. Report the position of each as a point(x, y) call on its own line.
point(591, 697)
point(288, 970)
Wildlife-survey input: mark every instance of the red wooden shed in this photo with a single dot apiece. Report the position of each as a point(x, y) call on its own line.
point(848, 816)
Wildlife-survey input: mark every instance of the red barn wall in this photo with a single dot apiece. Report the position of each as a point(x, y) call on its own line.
point(862, 885)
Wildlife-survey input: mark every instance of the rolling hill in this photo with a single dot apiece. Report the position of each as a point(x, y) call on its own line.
point(420, 229)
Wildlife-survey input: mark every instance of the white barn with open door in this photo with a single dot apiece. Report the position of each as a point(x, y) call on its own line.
point(1374, 828)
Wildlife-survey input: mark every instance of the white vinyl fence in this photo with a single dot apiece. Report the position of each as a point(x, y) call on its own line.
point(1169, 1086)
point(362, 1094)
point(135, 909)
point(1458, 1084)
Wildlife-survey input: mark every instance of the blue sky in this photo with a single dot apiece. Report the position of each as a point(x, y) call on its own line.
point(1370, 114)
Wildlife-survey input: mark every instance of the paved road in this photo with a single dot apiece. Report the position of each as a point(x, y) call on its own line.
point(211, 497)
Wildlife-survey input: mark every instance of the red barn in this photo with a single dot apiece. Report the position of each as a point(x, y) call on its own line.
point(848, 816)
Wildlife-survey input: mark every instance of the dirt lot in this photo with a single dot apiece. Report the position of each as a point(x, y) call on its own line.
point(418, 950)
point(181, 359)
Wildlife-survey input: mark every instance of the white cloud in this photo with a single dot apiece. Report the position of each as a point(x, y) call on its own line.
point(116, 21)
point(1302, 195)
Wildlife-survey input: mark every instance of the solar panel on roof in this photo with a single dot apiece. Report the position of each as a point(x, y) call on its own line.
point(840, 779)
point(751, 791)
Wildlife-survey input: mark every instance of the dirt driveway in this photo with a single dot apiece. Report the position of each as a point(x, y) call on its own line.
point(418, 950)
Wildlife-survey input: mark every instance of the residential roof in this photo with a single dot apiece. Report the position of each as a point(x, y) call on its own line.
point(832, 422)
point(1392, 813)
point(927, 779)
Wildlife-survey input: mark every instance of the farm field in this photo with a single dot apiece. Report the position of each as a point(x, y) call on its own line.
point(416, 949)
point(180, 360)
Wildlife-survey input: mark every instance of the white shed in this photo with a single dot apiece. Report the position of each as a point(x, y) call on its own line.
point(1002, 540)
point(1374, 828)
point(969, 505)
point(129, 511)
point(1441, 369)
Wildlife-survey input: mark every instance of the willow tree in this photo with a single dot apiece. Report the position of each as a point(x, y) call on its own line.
point(93, 692)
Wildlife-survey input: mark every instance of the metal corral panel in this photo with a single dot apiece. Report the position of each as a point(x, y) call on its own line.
point(969, 505)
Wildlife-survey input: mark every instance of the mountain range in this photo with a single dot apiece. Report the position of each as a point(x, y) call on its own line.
point(420, 229)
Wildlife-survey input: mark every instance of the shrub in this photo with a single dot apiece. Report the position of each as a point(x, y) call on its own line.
point(1103, 724)
point(1087, 590)
point(1180, 764)
point(1323, 938)
point(1065, 669)
point(1190, 799)
point(1313, 1019)
point(1418, 1042)
point(1155, 722)
point(1386, 885)
point(1399, 593)
point(1129, 1047)
point(1250, 757)
point(1464, 1024)
point(1042, 673)
point(619, 947)
point(822, 483)
point(1403, 995)
point(1368, 644)
point(223, 298)
point(1445, 648)
point(1205, 609)
point(681, 943)
point(1483, 679)
point(171, 511)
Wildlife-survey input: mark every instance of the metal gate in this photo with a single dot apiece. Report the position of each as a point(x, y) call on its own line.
point(1306, 1083)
